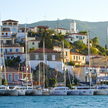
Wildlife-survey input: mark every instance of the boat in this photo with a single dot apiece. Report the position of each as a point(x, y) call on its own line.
point(21, 90)
point(3, 90)
point(59, 91)
point(101, 90)
point(33, 91)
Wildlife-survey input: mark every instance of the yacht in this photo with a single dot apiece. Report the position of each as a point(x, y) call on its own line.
point(59, 91)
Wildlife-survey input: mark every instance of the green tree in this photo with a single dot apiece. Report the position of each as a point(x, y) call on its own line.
point(95, 41)
point(52, 82)
point(94, 50)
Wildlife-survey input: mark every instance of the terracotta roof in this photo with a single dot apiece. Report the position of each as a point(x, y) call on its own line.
point(40, 50)
point(10, 53)
point(75, 53)
point(9, 20)
point(45, 27)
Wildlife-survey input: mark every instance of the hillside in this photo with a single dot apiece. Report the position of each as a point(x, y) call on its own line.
point(96, 28)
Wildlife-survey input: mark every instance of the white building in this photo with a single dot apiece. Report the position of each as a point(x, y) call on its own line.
point(9, 28)
point(73, 37)
point(33, 44)
point(12, 49)
point(61, 30)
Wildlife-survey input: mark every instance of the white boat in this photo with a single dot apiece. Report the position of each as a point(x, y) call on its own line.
point(45, 91)
point(3, 90)
point(21, 90)
point(86, 92)
point(59, 91)
point(101, 90)
point(34, 91)
point(73, 92)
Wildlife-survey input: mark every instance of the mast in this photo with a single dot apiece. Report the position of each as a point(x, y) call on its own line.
point(26, 66)
point(64, 66)
point(2, 54)
point(43, 62)
point(89, 60)
point(39, 73)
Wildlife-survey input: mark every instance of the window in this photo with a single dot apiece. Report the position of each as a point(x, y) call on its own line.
point(45, 57)
point(17, 50)
point(2, 33)
point(53, 57)
point(6, 34)
point(74, 57)
point(33, 43)
point(10, 50)
point(5, 50)
point(3, 76)
point(16, 77)
point(66, 53)
point(79, 57)
point(36, 57)
point(83, 58)
point(10, 77)
point(76, 36)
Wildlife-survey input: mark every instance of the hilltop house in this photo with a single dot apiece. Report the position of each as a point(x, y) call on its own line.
point(33, 44)
point(63, 31)
point(77, 58)
point(73, 37)
point(65, 52)
point(9, 30)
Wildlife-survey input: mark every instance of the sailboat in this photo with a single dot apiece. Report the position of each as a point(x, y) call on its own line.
point(102, 89)
point(30, 90)
point(80, 90)
point(61, 90)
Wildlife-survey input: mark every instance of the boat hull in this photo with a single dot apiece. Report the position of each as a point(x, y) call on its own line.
point(101, 92)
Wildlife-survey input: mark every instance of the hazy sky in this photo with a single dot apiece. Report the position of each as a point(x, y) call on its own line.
point(35, 10)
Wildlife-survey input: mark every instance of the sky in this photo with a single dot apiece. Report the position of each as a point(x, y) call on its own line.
point(30, 11)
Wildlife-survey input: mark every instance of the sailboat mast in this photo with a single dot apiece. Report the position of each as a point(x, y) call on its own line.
point(64, 66)
point(43, 63)
point(2, 54)
point(89, 59)
point(26, 67)
point(39, 73)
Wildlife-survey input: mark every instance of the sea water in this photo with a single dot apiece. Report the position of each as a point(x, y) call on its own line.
point(54, 102)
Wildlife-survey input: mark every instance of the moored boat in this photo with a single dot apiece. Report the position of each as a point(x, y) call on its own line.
point(59, 91)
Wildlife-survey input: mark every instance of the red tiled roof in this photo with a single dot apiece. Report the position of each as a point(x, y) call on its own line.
point(10, 53)
point(45, 27)
point(40, 50)
point(74, 53)
point(9, 20)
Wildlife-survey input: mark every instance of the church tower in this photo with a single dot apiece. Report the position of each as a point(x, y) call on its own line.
point(73, 27)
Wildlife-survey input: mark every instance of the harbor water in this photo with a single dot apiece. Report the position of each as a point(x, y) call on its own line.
point(54, 102)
